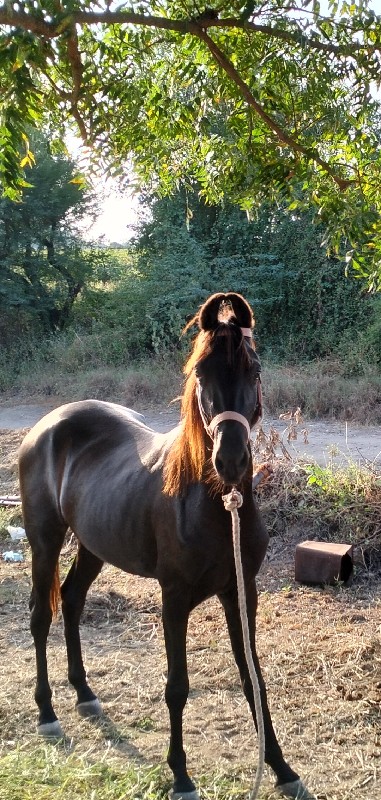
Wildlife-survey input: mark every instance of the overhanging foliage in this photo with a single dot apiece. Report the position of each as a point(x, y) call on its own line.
point(253, 100)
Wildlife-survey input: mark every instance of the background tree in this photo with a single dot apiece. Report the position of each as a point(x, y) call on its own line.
point(43, 263)
point(252, 100)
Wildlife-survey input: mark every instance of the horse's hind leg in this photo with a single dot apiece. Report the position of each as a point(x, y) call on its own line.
point(82, 573)
point(288, 782)
point(46, 544)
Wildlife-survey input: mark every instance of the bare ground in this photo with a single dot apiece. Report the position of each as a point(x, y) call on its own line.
point(320, 650)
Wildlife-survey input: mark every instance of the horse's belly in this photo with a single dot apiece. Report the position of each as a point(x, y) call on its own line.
point(115, 522)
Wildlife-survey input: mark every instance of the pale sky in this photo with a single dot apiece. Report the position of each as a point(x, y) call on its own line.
point(119, 209)
point(118, 215)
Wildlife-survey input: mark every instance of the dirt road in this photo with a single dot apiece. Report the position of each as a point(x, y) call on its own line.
point(336, 443)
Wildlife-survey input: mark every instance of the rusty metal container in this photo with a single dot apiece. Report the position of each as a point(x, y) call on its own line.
point(323, 562)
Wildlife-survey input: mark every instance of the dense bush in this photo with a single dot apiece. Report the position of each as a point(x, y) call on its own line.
point(134, 302)
point(305, 305)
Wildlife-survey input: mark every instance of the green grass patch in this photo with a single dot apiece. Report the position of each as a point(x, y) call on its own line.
point(332, 504)
point(49, 772)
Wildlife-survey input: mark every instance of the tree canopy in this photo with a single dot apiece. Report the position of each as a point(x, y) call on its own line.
point(251, 99)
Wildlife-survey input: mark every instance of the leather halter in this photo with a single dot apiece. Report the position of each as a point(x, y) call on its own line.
point(211, 427)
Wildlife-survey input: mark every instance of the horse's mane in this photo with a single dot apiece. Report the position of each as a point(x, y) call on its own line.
point(186, 460)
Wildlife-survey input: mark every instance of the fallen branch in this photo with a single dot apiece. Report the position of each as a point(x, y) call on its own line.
point(10, 500)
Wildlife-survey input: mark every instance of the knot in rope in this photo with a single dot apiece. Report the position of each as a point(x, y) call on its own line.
point(232, 500)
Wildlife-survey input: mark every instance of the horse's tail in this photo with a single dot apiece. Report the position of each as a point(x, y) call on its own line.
point(55, 592)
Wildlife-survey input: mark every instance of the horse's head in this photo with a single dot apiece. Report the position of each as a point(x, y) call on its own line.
point(221, 399)
point(228, 383)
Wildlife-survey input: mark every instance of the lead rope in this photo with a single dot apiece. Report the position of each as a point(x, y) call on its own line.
point(232, 503)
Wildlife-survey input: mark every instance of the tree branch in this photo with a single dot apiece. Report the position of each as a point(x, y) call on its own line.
point(76, 64)
point(52, 30)
point(18, 19)
point(282, 135)
point(77, 71)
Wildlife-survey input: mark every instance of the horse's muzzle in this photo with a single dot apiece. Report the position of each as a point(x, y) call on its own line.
point(230, 455)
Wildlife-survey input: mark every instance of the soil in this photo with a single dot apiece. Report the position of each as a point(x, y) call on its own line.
point(320, 650)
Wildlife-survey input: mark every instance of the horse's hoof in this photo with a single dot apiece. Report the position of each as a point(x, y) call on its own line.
point(184, 795)
point(51, 730)
point(296, 790)
point(91, 708)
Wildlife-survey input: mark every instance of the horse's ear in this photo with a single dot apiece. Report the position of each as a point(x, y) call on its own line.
point(242, 310)
point(208, 314)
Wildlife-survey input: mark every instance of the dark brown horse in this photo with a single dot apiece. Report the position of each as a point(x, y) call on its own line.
point(150, 504)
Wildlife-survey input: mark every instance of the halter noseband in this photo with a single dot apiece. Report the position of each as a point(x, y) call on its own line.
point(211, 427)
point(228, 415)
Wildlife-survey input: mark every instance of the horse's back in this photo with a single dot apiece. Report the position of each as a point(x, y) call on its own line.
point(92, 466)
point(91, 426)
point(80, 417)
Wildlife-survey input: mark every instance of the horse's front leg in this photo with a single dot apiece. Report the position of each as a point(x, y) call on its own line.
point(288, 781)
point(175, 624)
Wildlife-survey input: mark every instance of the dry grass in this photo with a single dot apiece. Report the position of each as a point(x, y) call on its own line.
point(153, 382)
point(321, 654)
point(322, 391)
